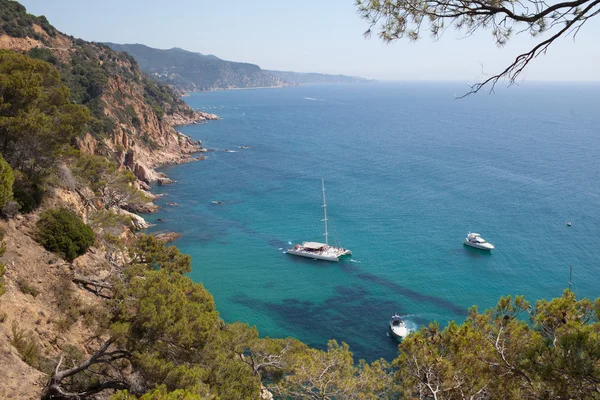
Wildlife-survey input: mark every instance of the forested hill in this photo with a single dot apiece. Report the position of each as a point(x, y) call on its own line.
point(304, 78)
point(190, 71)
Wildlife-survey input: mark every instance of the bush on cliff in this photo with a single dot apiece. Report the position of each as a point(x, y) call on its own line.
point(61, 231)
point(28, 192)
point(6, 183)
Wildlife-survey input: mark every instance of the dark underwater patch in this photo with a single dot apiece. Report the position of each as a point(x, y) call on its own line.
point(342, 317)
point(413, 294)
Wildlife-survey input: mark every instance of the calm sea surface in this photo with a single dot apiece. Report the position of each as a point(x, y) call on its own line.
point(408, 172)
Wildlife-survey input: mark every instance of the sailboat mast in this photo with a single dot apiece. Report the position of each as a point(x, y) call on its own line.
point(325, 212)
point(570, 276)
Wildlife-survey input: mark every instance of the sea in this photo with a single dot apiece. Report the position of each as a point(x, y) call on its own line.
point(409, 169)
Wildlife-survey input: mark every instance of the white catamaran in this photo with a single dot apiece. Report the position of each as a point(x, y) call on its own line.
point(316, 250)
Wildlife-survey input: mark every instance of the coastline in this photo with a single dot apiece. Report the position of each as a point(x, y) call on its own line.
point(178, 158)
point(187, 92)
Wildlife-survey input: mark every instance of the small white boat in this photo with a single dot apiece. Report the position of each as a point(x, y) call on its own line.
point(475, 240)
point(316, 250)
point(398, 328)
point(569, 223)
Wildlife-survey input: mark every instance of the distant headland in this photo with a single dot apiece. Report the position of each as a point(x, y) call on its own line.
point(192, 72)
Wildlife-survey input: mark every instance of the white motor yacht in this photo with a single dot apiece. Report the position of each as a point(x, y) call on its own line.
point(398, 328)
point(475, 240)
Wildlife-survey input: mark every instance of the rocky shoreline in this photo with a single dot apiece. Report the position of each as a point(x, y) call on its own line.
point(146, 177)
point(198, 118)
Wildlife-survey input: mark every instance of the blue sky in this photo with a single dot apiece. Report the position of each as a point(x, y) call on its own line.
point(312, 36)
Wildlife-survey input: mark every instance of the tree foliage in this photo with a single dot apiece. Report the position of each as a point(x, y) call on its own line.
point(332, 374)
point(149, 253)
point(499, 354)
point(36, 117)
point(61, 231)
point(397, 19)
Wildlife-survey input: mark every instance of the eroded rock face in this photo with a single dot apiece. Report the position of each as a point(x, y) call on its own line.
point(18, 44)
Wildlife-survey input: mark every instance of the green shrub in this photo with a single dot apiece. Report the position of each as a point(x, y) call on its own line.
point(6, 182)
point(43, 54)
point(61, 231)
point(26, 288)
point(28, 193)
point(26, 345)
point(65, 299)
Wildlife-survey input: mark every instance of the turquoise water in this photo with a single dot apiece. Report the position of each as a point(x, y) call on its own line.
point(408, 172)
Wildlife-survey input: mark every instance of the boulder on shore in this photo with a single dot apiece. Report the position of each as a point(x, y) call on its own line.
point(164, 181)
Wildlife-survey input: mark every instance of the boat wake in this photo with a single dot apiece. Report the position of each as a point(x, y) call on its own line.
point(354, 261)
point(322, 100)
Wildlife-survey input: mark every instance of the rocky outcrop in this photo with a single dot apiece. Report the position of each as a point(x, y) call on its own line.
point(197, 118)
point(142, 208)
point(167, 237)
point(137, 222)
point(164, 181)
point(152, 141)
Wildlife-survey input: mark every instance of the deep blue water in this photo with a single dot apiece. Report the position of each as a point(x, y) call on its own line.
point(408, 172)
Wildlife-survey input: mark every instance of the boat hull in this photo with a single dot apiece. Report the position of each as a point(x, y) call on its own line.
point(480, 247)
point(313, 256)
point(398, 333)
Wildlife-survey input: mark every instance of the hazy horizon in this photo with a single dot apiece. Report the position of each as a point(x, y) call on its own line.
point(315, 37)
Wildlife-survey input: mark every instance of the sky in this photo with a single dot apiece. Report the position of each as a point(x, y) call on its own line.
point(314, 36)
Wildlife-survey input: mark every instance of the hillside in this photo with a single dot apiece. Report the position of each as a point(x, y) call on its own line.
point(132, 116)
point(190, 71)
